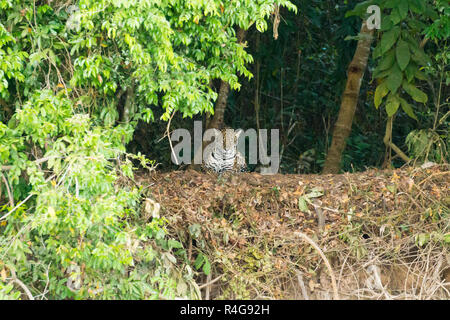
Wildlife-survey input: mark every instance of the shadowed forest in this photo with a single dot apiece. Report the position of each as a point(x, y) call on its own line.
point(93, 206)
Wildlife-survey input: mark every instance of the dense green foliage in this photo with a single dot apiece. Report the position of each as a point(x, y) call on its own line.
point(74, 81)
point(87, 87)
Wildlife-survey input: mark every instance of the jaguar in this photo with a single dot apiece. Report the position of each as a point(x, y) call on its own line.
point(224, 157)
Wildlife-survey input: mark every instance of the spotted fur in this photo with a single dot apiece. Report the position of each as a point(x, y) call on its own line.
point(226, 157)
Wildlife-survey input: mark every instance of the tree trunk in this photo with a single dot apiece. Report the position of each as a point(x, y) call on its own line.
point(349, 102)
point(221, 104)
point(128, 109)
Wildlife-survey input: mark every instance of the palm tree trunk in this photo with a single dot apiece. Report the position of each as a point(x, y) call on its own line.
point(349, 102)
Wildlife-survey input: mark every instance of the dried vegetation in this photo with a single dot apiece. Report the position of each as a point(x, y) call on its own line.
point(371, 235)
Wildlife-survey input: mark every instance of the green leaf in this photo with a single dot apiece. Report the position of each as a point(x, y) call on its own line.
point(386, 62)
point(303, 204)
point(415, 93)
point(421, 75)
point(420, 56)
point(394, 80)
point(447, 238)
point(359, 10)
point(206, 267)
point(403, 8)
point(416, 25)
point(430, 12)
point(381, 74)
point(381, 91)
point(392, 105)
point(392, 189)
point(377, 52)
point(416, 6)
point(174, 244)
point(410, 71)
point(386, 23)
point(315, 193)
point(389, 38)
point(395, 16)
point(403, 54)
point(199, 261)
point(407, 108)
point(422, 239)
